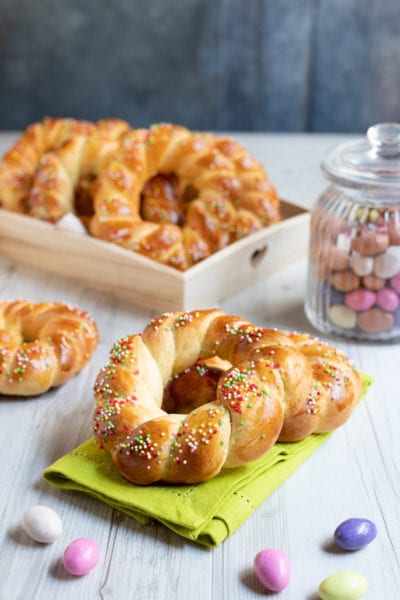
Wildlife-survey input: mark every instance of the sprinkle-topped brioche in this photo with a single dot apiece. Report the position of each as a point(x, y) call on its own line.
point(49, 170)
point(42, 345)
point(199, 391)
point(168, 193)
point(207, 192)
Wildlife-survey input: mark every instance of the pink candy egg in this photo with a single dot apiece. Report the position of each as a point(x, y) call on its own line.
point(395, 282)
point(360, 299)
point(387, 299)
point(272, 568)
point(81, 556)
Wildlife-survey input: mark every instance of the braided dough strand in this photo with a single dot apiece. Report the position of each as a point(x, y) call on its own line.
point(222, 198)
point(257, 386)
point(40, 174)
point(42, 345)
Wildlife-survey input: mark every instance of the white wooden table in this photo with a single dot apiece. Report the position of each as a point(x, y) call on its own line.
point(355, 473)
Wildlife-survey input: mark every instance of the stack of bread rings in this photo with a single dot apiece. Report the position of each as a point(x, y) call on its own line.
point(196, 392)
point(171, 194)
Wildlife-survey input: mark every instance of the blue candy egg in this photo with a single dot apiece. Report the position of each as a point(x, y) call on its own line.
point(354, 534)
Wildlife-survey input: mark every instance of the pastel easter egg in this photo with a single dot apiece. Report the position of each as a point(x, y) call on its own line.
point(387, 299)
point(81, 556)
point(42, 524)
point(370, 243)
point(335, 297)
point(342, 316)
point(345, 585)
point(373, 282)
point(343, 241)
point(388, 264)
point(272, 568)
point(361, 265)
point(395, 282)
point(354, 534)
point(394, 234)
point(338, 259)
point(375, 320)
point(345, 281)
point(360, 299)
point(71, 223)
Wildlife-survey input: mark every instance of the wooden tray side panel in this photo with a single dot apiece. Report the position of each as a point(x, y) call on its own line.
point(96, 264)
point(263, 253)
point(137, 279)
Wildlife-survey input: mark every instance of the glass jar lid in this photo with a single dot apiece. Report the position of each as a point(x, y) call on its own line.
point(372, 161)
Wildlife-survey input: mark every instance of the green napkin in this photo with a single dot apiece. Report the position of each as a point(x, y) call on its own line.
point(206, 513)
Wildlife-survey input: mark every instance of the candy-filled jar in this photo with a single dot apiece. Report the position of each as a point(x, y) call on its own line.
point(354, 261)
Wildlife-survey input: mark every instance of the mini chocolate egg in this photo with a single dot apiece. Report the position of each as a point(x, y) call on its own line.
point(335, 297)
point(370, 243)
point(361, 265)
point(388, 264)
point(354, 534)
point(345, 585)
point(360, 299)
point(338, 259)
point(42, 524)
point(394, 234)
point(375, 320)
point(71, 223)
point(343, 241)
point(387, 299)
point(396, 316)
point(81, 556)
point(272, 568)
point(395, 282)
point(342, 316)
point(373, 282)
point(345, 281)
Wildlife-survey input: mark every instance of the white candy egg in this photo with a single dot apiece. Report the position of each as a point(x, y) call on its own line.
point(71, 223)
point(42, 524)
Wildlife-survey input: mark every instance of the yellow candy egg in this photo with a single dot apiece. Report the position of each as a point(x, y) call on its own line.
point(346, 585)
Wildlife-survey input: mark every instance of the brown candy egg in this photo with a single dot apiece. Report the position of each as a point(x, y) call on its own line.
point(375, 320)
point(345, 281)
point(373, 282)
point(370, 243)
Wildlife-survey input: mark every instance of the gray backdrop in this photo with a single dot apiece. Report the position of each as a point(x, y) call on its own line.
point(267, 65)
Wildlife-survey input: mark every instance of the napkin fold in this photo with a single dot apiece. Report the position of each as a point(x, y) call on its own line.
point(205, 513)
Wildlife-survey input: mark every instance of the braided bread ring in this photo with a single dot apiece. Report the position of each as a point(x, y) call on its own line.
point(40, 174)
point(268, 383)
point(224, 198)
point(42, 345)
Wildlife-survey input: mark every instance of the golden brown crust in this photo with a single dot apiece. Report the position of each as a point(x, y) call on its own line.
point(42, 345)
point(40, 173)
point(225, 194)
point(242, 389)
point(166, 192)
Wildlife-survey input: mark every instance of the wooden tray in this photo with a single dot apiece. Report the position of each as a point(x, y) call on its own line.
point(137, 279)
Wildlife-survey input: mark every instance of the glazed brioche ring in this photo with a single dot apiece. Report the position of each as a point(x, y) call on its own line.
point(39, 176)
point(42, 345)
point(224, 195)
point(261, 386)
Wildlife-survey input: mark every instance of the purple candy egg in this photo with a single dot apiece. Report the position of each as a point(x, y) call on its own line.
point(272, 568)
point(354, 534)
point(81, 556)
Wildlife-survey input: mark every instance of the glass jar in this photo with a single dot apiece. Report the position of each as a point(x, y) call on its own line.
point(354, 262)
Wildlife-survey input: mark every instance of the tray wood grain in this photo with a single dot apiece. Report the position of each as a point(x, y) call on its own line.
point(140, 280)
